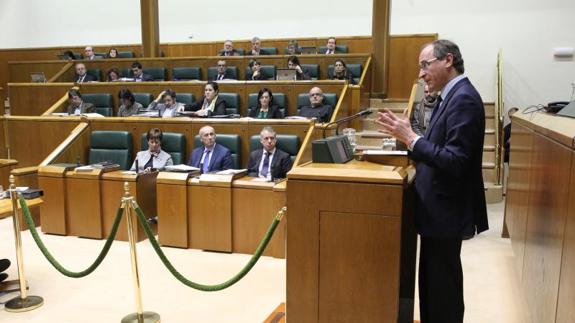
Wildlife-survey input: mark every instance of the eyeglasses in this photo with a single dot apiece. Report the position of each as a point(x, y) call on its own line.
point(425, 64)
point(316, 94)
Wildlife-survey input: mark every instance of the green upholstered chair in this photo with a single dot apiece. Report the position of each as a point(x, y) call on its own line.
point(126, 72)
point(100, 54)
point(186, 73)
point(240, 51)
point(328, 98)
point(288, 143)
point(232, 142)
point(78, 55)
point(185, 98)
point(232, 102)
point(173, 143)
point(143, 98)
point(279, 100)
point(111, 146)
point(232, 71)
point(126, 54)
point(158, 73)
point(268, 71)
point(354, 69)
point(95, 72)
point(312, 69)
point(339, 49)
point(103, 103)
point(270, 50)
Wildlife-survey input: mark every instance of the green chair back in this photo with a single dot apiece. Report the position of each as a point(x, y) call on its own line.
point(111, 146)
point(143, 98)
point(103, 103)
point(95, 72)
point(270, 50)
point(158, 73)
point(339, 49)
point(232, 102)
point(126, 54)
point(312, 69)
point(186, 73)
point(185, 98)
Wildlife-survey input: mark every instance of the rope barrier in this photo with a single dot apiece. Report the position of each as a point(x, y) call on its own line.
point(51, 258)
point(202, 287)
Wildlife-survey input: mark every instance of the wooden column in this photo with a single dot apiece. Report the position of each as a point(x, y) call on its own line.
point(150, 28)
point(380, 38)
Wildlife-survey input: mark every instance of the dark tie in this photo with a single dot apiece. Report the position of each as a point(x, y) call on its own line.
point(206, 162)
point(266, 164)
point(150, 162)
point(435, 107)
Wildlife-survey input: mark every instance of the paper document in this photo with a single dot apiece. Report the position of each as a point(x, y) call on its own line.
point(231, 171)
point(86, 168)
point(181, 168)
point(382, 152)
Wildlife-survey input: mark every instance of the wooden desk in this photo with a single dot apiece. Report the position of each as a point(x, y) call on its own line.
point(6, 210)
point(6, 166)
point(53, 211)
point(350, 244)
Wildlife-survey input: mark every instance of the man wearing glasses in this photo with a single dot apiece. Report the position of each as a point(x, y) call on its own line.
point(450, 197)
point(316, 109)
point(223, 73)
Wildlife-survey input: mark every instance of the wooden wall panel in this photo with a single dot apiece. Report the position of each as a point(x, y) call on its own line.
point(3, 138)
point(32, 99)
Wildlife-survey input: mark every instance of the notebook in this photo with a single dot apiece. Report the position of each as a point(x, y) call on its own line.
point(286, 74)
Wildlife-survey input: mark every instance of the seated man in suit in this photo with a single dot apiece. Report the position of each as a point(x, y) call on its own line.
point(223, 73)
point(77, 106)
point(82, 75)
point(229, 49)
point(210, 157)
point(139, 75)
point(89, 54)
point(256, 48)
point(316, 109)
point(269, 162)
point(330, 46)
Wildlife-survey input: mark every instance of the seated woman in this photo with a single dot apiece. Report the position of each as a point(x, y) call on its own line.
point(256, 67)
point(293, 63)
point(265, 108)
point(113, 75)
point(129, 106)
point(209, 104)
point(169, 107)
point(340, 72)
point(112, 53)
point(154, 158)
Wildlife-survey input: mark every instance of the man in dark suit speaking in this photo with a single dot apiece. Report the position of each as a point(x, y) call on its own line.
point(450, 197)
point(269, 162)
point(210, 157)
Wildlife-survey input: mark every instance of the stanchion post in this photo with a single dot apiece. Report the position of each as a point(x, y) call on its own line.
point(140, 316)
point(24, 302)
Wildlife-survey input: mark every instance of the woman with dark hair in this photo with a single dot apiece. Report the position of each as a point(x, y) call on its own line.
point(265, 108)
point(129, 106)
point(293, 63)
point(340, 72)
point(210, 103)
point(112, 53)
point(154, 158)
point(168, 107)
point(256, 67)
point(113, 75)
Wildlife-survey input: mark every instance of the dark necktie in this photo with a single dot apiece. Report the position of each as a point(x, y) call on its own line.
point(266, 164)
point(435, 108)
point(206, 162)
point(150, 163)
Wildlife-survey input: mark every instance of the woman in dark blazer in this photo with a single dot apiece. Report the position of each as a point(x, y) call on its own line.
point(209, 104)
point(293, 63)
point(340, 72)
point(265, 108)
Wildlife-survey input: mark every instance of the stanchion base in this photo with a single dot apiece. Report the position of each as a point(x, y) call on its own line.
point(146, 317)
point(18, 305)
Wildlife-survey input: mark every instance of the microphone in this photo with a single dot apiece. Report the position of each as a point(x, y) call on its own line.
point(346, 119)
point(201, 168)
point(137, 166)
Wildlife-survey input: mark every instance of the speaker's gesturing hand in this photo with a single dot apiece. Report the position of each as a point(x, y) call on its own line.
point(398, 127)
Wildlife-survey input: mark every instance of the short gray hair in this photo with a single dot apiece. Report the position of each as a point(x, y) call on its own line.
point(268, 129)
point(442, 47)
point(255, 39)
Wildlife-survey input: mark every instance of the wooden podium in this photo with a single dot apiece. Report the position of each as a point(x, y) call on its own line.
point(351, 243)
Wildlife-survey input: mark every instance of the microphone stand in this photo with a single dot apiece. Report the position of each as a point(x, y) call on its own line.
point(345, 119)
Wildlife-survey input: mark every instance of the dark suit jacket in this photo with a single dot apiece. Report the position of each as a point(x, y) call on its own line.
point(146, 77)
point(84, 108)
point(273, 112)
point(219, 109)
point(227, 76)
point(233, 53)
point(281, 164)
point(87, 78)
point(450, 198)
point(259, 77)
point(346, 77)
point(221, 158)
point(262, 52)
point(302, 76)
point(322, 113)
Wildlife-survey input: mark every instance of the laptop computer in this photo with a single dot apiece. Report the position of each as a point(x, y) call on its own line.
point(38, 77)
point(285, 74)
point(308, 50)
point(568, 110)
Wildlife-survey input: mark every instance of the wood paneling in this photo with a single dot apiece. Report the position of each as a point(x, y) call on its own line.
point(210, 218)
point(83, 221)
point(172, 210)
point(53, 211)
point(32, 99)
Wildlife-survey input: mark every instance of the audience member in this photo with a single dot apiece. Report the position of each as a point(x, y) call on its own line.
point(210, 157)
point(330, 46)
point(112, 53)
point(77, 106)
point(4, 264)
point(256, 48)
point(223, 73)
point(422, 112)
point(316, 109)
point(293, 63)
point(113, 75)
point(210, 103)
point(89, 54)
point(340, 72)
point(293, 48)
point(257, 75)
point(154, 158)
point(139, 75)
point(129, 106)
point(265, 108)
point(169, 106)
point(269, 162)
point(82, 75)
point(229, 49)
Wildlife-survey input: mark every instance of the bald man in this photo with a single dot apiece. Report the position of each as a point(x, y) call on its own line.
point(210, 157)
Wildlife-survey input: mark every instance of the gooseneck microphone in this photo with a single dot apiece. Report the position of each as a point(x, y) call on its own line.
point(346, 119)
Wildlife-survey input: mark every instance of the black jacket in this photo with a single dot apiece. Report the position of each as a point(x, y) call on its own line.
point(273, 112)
point(281, 164)
point(219, 109)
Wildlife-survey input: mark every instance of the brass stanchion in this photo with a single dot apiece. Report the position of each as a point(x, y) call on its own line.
point(22, 303)
point(140, 316)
